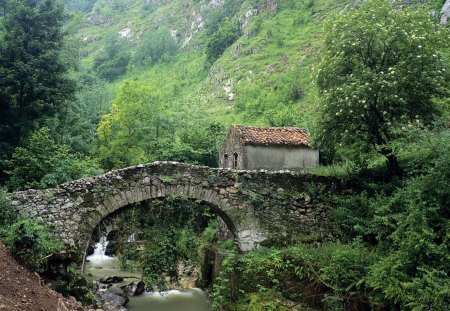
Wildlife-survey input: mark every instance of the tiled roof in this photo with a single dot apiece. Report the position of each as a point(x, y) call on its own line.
point(287, 136)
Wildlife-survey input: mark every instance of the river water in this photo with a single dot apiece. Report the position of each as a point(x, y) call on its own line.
point(99, 266)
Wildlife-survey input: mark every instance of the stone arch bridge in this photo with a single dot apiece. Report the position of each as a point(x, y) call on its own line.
point(257, 206)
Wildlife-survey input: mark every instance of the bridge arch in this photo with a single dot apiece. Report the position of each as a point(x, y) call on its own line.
point(120, 200)
point(257, 206)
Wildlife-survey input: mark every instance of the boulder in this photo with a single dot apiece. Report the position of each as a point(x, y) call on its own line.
point(134, 288)
point(101, 299)
point(111, 306)
point(107, 293)
point(111, 248)
point(115, 298)
point(111, 280)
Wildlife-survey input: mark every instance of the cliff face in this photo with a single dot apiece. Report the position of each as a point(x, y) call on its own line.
point(445, 12)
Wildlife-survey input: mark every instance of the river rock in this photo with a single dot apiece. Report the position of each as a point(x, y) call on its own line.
point(111, 248)
point(102, 299)
point(111, 280)
point(111, 306)
point(134, 288)
point(113, 289)
point(111, 297)
point(109, 293)
point(90, 250)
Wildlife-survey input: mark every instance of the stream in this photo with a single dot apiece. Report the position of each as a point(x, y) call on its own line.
point(98, 266)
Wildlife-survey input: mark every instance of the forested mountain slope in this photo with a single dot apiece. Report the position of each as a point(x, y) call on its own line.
point(213, 63)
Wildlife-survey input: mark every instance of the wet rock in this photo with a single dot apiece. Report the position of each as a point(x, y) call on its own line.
point(111, 248)
point(115, 298)
point(113, 235)
point(90, 250)
point(134, 288)
point(113, 289)
point(101, 299)
point(111, 280)
point(111, 306)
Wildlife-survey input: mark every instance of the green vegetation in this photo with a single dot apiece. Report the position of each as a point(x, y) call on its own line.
point(43, 163)
point(166, 233)
point(164, 82)
point(381, 69)
point(35, 84)
point(37, 249)
point(32, 243)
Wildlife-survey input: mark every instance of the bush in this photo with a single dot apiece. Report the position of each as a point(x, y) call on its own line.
point(112, 62)
point(8, 214)
point(155, 46)
point(44, 163)
point(228, 32)
point(31, 244)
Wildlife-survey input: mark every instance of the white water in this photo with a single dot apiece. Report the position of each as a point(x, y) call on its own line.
point(99, 265)
point(99, 256)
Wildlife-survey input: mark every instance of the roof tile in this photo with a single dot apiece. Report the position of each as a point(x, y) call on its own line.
point(288, 136)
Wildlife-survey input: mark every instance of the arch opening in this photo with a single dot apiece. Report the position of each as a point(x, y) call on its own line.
point(132, 229)
point(235, 160)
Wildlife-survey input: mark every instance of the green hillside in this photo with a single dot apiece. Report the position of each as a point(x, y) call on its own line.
point(262, 78)
point(231, 61)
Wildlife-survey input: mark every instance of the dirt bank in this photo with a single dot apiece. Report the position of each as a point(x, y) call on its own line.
point(22, 290)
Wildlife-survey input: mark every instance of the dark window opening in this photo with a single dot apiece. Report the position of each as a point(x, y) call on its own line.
point(225, 160)
point(235, 160)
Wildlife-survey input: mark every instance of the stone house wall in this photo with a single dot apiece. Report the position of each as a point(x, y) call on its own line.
point(232, 147)
point(270, 157)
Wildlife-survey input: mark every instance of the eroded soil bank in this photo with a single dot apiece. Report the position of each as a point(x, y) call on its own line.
point(22, 290)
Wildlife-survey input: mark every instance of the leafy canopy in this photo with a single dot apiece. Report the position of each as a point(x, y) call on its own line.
point(44, 163)
point(381, 68)
point(34, 80)
point(130, 131)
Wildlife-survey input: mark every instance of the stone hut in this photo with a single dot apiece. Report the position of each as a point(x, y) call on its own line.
point(270, 148)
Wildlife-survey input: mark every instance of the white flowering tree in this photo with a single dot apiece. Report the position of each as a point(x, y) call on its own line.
point(381, 68)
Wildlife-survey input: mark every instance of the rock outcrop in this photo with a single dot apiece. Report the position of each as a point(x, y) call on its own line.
point(445, 13)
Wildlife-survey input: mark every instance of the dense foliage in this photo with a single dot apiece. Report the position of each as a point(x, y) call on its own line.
point(33, 66)
point(114, 59)
point(156, 237)
point(43, 163)
point(394, 251)
point(382, 68)
point(138, 129)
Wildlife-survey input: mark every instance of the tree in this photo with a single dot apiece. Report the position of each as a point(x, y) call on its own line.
point(34, 83)
point(227, 33)
point(112, 62)
point(156, 45)
point(134, 128)
point(43, 163)
point(381, 68)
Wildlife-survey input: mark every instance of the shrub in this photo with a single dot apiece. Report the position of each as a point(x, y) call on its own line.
point(31, 244)
point(8, 214)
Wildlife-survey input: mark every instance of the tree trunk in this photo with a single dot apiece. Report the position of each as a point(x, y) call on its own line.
point(394, 170)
